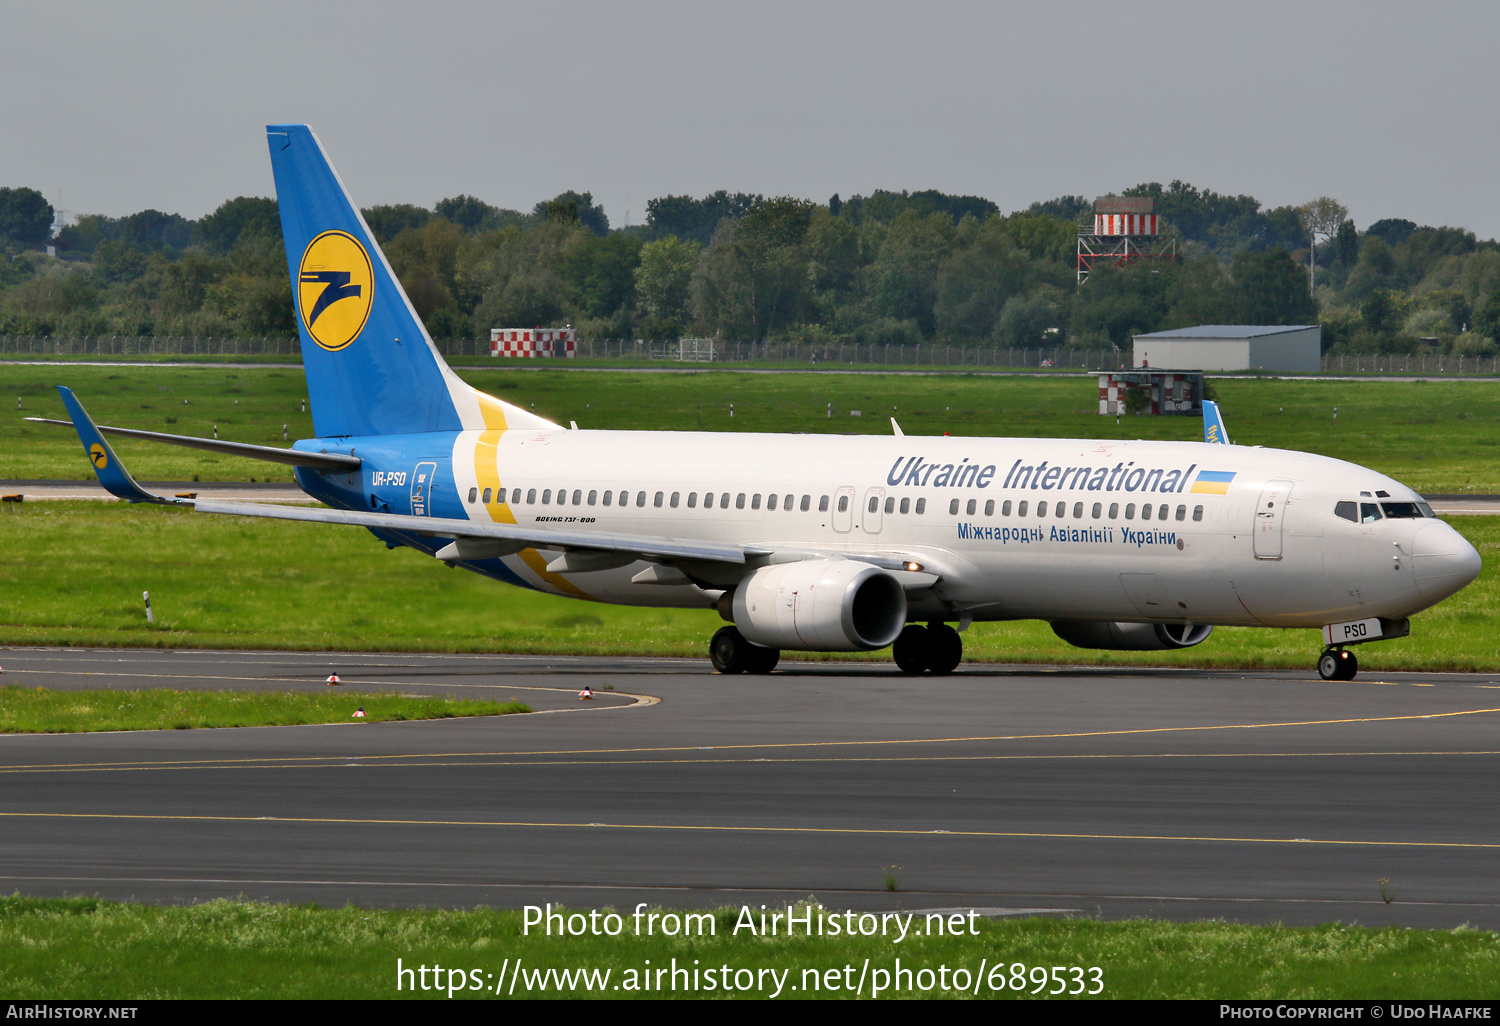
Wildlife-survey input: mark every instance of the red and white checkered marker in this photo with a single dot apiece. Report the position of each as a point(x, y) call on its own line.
point(586, 693)
point(333, 678)
point(359, 713)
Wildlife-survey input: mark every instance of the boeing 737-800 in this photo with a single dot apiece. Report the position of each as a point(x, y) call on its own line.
point(808, 542)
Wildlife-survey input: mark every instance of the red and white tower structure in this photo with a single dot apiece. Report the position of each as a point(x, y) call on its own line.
point(1124, 228)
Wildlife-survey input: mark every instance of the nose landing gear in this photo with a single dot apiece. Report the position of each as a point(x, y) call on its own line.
point(1337, 664)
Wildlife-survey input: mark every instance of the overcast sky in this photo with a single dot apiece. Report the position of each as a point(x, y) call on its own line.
point(1387, 106)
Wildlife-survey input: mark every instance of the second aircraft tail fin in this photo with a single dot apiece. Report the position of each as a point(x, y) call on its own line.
point(1213, 423)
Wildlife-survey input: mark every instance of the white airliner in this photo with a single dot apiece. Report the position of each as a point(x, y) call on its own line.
point(815, 542)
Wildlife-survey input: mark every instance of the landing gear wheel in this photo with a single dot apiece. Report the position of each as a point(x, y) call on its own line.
point(729, 651)
point(945, 649)
point(910, 649)
point(762, 660)
point(1337, 664)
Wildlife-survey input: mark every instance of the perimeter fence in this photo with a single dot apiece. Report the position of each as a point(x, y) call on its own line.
point(794, 354)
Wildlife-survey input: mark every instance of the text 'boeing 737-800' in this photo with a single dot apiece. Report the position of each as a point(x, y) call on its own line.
point(807, 542)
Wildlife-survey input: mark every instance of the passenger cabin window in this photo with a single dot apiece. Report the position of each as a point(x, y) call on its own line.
point(771, 502)
point(657, 501)
point(1041, 508)
point(531, 495)
point(1368, 512)
point(1097, 511)
point(1130, 511)
point(843, 504)
point(1181, 512)
point(1005, 508)
point(1021, 509)
point(890, 504)
point(608, 495)
point(755, 501)
point(562, 496)
point(640, 498)
point(787, 505)
point(921, 506)
point(473, 494)
point(515, 497)
point(578, 497)
point(1197, 513)
point(486, 496)
point(1114, 510)
point(546, 496)
point(905, 505)
point(692, 500)
point(823, 504)
point(739, 501)
point(593, 496)
point(1145, 511)
point(989, 507)
point(708, 500)
point(953, 508)
point(1348, 510)
point(1078, 511)
point(969, 509)
point(875, 504)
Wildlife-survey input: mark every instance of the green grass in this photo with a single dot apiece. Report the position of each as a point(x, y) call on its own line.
point(1438, 437)
point(80, 948)
point(28, 710)
point(73, 573)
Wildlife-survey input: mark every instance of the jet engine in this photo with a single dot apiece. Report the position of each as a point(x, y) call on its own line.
point(1133, 637)
point(820, 605)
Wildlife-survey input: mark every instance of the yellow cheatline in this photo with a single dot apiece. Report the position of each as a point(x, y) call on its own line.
point(697, 828)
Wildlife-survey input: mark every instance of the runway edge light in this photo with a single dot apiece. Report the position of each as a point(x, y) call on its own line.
point(333, 678)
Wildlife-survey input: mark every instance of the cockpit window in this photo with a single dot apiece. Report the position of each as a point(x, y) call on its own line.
point(1368, 512)
point(1401, 510)
point(1426, 510)
point(1348, 510)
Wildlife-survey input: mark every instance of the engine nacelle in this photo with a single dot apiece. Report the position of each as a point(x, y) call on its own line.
point(820, 605)
point(1131, 637)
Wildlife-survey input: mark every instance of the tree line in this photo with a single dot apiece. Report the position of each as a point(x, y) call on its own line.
point(887, 268)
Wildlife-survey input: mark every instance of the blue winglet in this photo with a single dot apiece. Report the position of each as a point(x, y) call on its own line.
point(1213, 424)
point(111, 472)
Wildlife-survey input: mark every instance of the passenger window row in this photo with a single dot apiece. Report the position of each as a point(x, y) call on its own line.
point(562, 497)
point(1095, 511)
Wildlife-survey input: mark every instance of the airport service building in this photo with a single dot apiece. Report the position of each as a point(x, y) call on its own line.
point(1293, 348)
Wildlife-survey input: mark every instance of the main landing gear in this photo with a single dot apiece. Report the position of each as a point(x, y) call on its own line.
point(1337, 664)
point(936, 648)
point(731, 653)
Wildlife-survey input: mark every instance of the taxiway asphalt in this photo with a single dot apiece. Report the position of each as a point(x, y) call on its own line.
point(1252, 796)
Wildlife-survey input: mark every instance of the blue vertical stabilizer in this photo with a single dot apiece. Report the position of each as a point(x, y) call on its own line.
point(1213, 423)
point(371, 369)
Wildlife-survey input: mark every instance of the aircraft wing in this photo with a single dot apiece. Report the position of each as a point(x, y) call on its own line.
point(511, 537)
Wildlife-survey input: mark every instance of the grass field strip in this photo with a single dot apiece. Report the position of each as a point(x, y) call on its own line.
point(639, 701)
point(719, 828)
point(436, 757)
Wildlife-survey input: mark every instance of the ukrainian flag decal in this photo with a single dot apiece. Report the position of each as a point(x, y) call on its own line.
point(335, 289)
point(1214, 482)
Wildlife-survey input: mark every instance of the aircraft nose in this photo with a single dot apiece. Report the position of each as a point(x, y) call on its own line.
point(1443, 561)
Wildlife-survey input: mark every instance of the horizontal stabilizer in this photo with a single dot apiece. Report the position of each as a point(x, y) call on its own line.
point(269, 453)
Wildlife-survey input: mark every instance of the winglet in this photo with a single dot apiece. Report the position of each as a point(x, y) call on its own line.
point(1213, 423)
point(897, 429)
point(111, 472)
